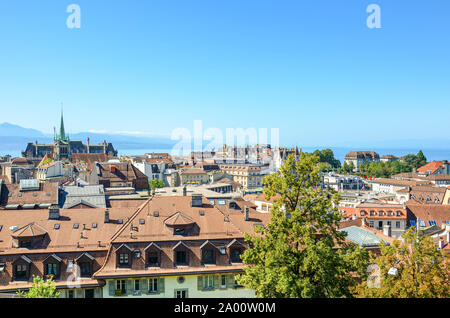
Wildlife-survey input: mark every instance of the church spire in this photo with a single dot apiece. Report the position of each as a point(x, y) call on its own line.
point(62, 132)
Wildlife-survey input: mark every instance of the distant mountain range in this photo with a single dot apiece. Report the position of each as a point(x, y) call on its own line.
point(15, 138)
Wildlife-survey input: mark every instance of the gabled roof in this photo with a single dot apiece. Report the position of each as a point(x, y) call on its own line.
point(178, 244)
point(431, 167)
point(152, 244)
point(86, 254)
point(233, 242)
point(124, 245)
point(54, 256)
point(207, 242)
point(25, 258)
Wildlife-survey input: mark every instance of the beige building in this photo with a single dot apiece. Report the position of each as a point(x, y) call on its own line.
point(193, 176)
point(248, 175)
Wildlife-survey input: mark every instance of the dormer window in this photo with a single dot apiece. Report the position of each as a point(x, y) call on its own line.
point(52, 266)
point(179, 231)
point(21, 272)
point(363, 213)
point(181, 254)
point(21, 268)
point(236, 249)
point(124, 258)
point(85, 264)
point(124, 253)
point(208, 253)
point(153, 255)
point(399, 213)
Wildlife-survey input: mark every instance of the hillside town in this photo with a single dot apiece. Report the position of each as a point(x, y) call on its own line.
point(157, 225)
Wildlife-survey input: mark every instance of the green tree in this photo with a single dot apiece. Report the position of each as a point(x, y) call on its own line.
point(296, 254)
point(327, 155)
point(41, 288)
point(156, 183)
point(420, 160)
point(423, 271)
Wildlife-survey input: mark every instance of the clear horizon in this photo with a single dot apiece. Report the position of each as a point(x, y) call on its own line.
point(313, 70)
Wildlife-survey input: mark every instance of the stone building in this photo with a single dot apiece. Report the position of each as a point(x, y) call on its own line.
point(63, 148)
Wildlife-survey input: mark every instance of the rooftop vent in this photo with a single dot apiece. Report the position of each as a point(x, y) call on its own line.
point(53, 212)
point(196, 200)
point(106, 216)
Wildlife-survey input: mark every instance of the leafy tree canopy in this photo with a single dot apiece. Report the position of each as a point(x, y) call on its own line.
point(297, 254)
point(423, 271)
point(41, 288)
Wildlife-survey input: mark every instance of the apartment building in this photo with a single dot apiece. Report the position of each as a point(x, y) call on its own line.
point(180, 247)
point(249, 176)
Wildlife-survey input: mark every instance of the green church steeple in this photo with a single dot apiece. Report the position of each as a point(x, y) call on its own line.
point(62, 133)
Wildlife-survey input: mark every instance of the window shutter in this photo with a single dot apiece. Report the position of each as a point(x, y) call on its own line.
point(230, 281)
point(199, 283)
point(144, 286)
point(112, 287)
point(98, 293)
point(129, 286)
point(161, 285)
point(216, 281)
point(79, 293)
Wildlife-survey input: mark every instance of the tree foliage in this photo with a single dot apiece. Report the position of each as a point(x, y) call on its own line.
point(156, 183)
point(295, 255)
point(41, 288)
point(423, 271)
point(388, 169)
point(327, 155)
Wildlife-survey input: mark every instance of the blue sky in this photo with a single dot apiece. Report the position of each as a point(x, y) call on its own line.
point(313, 69)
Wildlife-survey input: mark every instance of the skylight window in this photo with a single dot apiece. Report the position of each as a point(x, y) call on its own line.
point(76, 225)
point(120, 221)
point(94, 225)
point(221, 202)
point(56, 226)
point(156, 214)
point(141, 221)
point(201, 212)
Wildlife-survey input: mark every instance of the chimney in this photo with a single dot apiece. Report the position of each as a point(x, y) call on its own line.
point(184, 191)
point(53, 212)
point(112, 168)
point(354, 217)
point(106, 216)
point(87, 147)
point(387, 230)
point(448, 237)
point(196, 201)
point(441, 244)
point(246, 213)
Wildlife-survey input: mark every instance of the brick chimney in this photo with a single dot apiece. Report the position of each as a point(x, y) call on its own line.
point(106, 216)
point(246, 213)
point(387, 230)
point(196, 200)
point(53, 212)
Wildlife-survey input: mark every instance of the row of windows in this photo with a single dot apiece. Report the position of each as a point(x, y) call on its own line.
point(381, 213)
point(181, 257)
point(21, 272)
point(156, 285)
point(380, 224)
